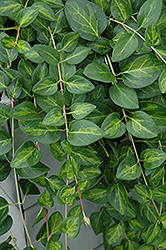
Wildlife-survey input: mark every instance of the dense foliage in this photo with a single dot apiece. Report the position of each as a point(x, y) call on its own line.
point(94, 71)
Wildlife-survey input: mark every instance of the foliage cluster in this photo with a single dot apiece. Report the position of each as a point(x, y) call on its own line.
point(94, 71)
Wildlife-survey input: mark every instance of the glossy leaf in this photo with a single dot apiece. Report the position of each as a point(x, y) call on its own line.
point(117, 197)
point(70, 41)
point(57, 151)
point(98, 194)
point(142, 71)
point(26, 16)
point(4, 114)
point(26, 155)
point(24, 111)
point(149, 12)
point(88, 173)
point(71, 226)
point(112, 126)
point(125, 46)
point(4, 209)
point(4, 170)
point(128, 169)
point(152, 35)
point(46, 86)
point(4, 81)
point(114, 233)
point(7, 56)
point(83, 133)
point(25, 68)
point(54, 118)
point(123, 96)
point(81, 109)
point(48, 53)
point(5, 225)
point(54, 245)
point(44, 10)
point(33, 172)
point(66, 171)
point(152, 158)
point(45, 199)
point(159, 194)
point(86, 157)
point(142, 125)
point(54, 183)
point(99, 72)
point(143, 194)
point(86, 18)
point(79, 85)
point(8, 42)
point(28, 187)
point(162, 82)
point(5, 142)
point(77, 56)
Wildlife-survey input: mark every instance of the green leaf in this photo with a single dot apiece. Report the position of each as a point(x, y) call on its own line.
point(54, 118)
point(57, 151)
point(54, 245)
point(52, 3)
point(130, 245)
point(162, 82)
point(33, 172)
point(70, 41)
point(26, 16)
point(71, 226)
point(41, 214)
point(28, 33)
point(45, 199)
point(152, 158)
point(123, 96)
point(40, 72)
point(24, 111)
point(152, 232)
point(149, 91)
point(112, 126)
point(5, 142)
point(129, 214)
point(54, 183)
point(9, 7)
point(125, 47)
point(79, 85)
point(98, 194)
point(28, 187)
point(99, 72)
point(25, 68)
point(146, 247)
point(142, 125)
point(162, 219)
point(4, 114)
point(4, 208)
point(4, 81)
point(48, 103)
point(66, 191)
point(77, 55)
point(152, 35)
point(159, 194)
point(15, 88)
point(7, 56)
point(8, 42)
point(4, 170)
point(86, 157)
point(22, 46)
point(33, 56)
point(5, 225)
point(49, 54)
point(141, 71)
point(26, 155)
point(81, 109)
point(117, 197)
point(121, 10)
point(86, 18)
point(58, 24)
point(101, 45)
point(114, 233)
point(46, 86)
point(149, 12)
point(66, 171)
point(43, 134)
point(44, 11)
point(82, 133)
point(88, 173)
point(128, 169)
point(143, 194)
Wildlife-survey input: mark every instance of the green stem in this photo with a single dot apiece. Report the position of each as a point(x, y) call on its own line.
point(138, 34)
point(9, 28)
point(26, 4)
point(163, 179)
point(110, 64)
point(15, 244)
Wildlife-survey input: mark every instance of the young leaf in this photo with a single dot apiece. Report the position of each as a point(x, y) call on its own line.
point(152, 158)
point(128, 169)
point(149, 12)
point(81, 109)
point(112, 126)
point(70, 41)
point(86, 18)
point(26, 155)
point(117, 197)
point(48, 53)
point(26, 16)
point(162, 82)
point(83, 132)
point(123, 96)
point(5, 142)
point(143, 194)
point(125, 47)
point(99, 72)
point(114, 233)
point(46, 86)
point(79, 85)
point(142, 125)
point(142, 71)
point(24, 111)
point(45, 199)
point(54, 118)
point(71, 226)
point(76, 56)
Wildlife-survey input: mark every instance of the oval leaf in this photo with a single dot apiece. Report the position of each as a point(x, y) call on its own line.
point(46, 86)
point(114, 233)
point(81, 109)
point(152, 158)
point(71, 226)
point(26, 16)
point(79, 85)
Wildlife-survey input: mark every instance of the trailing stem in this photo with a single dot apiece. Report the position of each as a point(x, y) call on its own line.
point(163, 179)
point(138, 34)
point(138, 160)
point(16, 183)
point(15, 244)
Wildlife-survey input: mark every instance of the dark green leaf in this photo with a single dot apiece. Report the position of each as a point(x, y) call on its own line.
point(152, 35)
point(114, 233)
point(14, 89)
point(22, 46)
point(54, 245)
point(152, 232)
point(44, 11)
point(58, 24)
point(162, 82)
point(99, 72)
point(45, 199)
point(54, 118)
point(149, 91)
point(8, 42)
point(143, 194)
point(40, 72)
point(7, 56)
point(49, 54)
point(71, 226)
point(4, 170)
point(121, 10)
point(79, 85)
point(4, 81)
point(26, 16)
point(9, 7)
point(33, 172)
point(101, 45)
point(70, 41)
point(54, 183)
point(26, 155)
point(4, 209)
point(86, 157)
point(81, 109)
point(25, 68)
point(152, 158)
point(142, 125)
point(4, 114)
point(46, 86)
point(76, 56)
point(159, 194)
point(5, 142)
point(5, 225)
point(33, 55)
point(57, 151)
point(82, 133)
point(86, 18)
point(41, 214)
point(66, 171)
point(163, 220)
point(88, 173)
point(98, 194)
point(28, 187)
point(117, 197)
